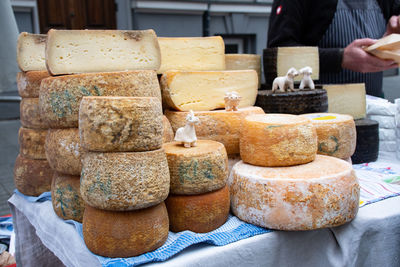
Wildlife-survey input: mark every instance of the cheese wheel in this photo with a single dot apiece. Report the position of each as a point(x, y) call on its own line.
point(60, 96)
point(319, 194)
point(218, 125)
point(32, 177)
point(30, 114)
point(198, 213)
point(336, 134)
point(66, 197)
point(277, 140)
point(63, 150)
point(31, 143)
point(125, 234)
point(108, 124)
point(28, 83)
point(168, 133)
point(205, 90)
point(125, 180)
point(232, 160)
point(198, 169)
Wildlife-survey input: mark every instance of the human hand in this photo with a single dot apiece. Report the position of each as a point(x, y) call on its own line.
point(393, 25)
point(356, 59)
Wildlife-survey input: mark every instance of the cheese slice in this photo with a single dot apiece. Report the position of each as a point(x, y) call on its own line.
point(336, 134)
point(196, 170)
point(205, 90)
point(277, 140)
point(192, 53)
point(218, 125)
point(60, 96)
point(322, 193)
point(124, 181)
point(28, 83)
point(198, 213)
point(244, 62)
point(31, 51)
point(347, 99)
point(66, 197)
point(112, 123)
point(31, 143)
point(81, 51)
point(125, 234)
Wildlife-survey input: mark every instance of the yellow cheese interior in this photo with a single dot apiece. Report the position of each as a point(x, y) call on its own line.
point(298, 58)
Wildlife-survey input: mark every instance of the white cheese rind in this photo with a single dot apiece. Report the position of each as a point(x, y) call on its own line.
point(320, 194)
point(82, 51)
point(31, 51)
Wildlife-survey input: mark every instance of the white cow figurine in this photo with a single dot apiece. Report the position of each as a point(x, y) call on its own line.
point(306, 81)
point(187, 134)
point(285, 83)
point(232, 100)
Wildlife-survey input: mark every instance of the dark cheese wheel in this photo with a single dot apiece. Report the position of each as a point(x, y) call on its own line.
point(367, 147)
point(299, 102)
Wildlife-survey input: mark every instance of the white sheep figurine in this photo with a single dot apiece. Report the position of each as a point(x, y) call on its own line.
point(187, 134)
point(232, 100)
point(306, 81)
point(285, 83)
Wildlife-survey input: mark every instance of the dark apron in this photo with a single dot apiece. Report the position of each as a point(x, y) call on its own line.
point(354, 19)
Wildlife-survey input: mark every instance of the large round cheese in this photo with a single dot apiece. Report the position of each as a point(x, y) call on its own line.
point(31, 143)
point(60, 96)
point(125, 234)
point(218, 125)
point(32, 177)
point(336, 134)
point(125, 180)
point(198, 169)
point(63, 150)
point(28, 83)
point(30, 114)
point(198, 213)
point(66, 197)
point(277, 140)
point(168, 133)
point(322, 193)
point(112, 123)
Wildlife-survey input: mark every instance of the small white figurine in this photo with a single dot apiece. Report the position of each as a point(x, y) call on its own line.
point(187, 134)
point(306, 81)
point(285, 83)
point(232, 100)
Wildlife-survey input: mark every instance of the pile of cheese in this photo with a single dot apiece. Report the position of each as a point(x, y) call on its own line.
point(281, 182)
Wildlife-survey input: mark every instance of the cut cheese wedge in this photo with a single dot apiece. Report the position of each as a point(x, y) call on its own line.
point(205, 90)
point(82, 51)
point(322, 193)
point(192, 53)
point(244, 62)
point(31, 51)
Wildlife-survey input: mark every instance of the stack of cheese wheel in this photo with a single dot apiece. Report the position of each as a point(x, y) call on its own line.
point(32, 174)
point(195, 76)
point(281, 182)
point(199, 196)
point(125, 176)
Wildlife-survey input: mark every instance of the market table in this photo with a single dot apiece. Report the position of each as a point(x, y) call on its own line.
point(371, 239)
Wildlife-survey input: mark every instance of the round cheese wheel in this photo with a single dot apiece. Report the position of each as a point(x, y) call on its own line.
point(168, 133)
point(28, 83)
point(66, 197)
point(60, 96)
point(31, 143)
point(367, 147)
point(218, 125)
point(127, 233)
point(198, 213)
point(124, 180)
point(111, 123)
point(319, 194)
point(232, 160)
point(32, 177)
point(63, 150)
point(277, 140)
point(336, 134)
point(198, 169)
point(30, 114)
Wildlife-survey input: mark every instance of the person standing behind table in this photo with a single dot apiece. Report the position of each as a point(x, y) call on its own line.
point(340, 28)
